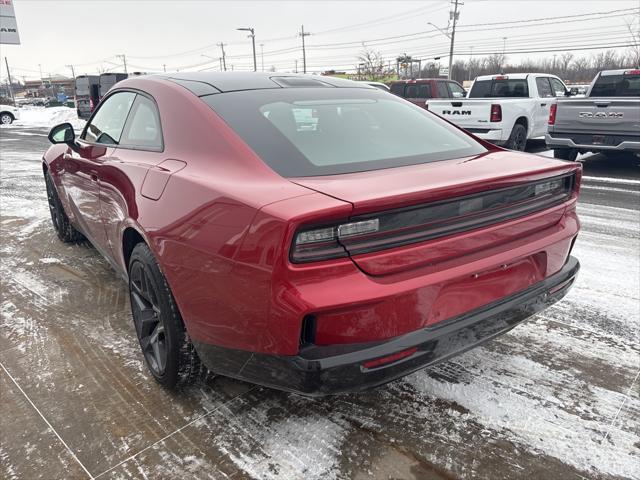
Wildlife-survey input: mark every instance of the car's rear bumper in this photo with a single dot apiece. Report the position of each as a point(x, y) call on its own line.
point(556, 140)
point(323, 370)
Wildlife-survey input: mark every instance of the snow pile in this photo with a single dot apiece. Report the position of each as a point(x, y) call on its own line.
point(40, 117)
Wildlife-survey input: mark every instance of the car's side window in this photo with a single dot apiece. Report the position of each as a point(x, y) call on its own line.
point(143, 130)
point(456, 90)
point(107, 124)
point(424, 91)
point(544, 88)
point(443, 92)
point(557, 87)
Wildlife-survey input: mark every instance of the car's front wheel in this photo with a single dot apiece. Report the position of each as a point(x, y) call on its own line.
point(61, 224)
point(6, 118)
point(169, 354)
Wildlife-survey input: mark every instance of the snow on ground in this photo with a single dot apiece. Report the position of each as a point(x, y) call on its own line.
point(42, 117)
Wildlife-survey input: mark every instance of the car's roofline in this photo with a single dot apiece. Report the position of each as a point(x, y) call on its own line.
point(208, 83)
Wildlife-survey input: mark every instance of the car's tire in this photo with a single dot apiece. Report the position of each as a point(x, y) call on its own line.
point(61, 224)
point(6, 118)
point(570, 154)
point(517, 139)
point(168, 352)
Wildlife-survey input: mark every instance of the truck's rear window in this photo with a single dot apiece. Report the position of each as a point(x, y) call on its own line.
point(616, 86)
point(499, 88)
point(303, 132)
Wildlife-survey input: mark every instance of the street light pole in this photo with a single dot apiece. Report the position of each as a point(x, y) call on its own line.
point(253, 44)
point(72, 71)
point(303, 34)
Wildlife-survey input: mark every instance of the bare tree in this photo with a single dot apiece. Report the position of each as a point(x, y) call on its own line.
point(405, 65)
point(371, 65)
point(565, 60)
point(496, 61)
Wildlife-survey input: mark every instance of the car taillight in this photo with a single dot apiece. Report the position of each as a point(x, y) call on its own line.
point(501, 77)
point(324, 243)
point(552, 114)
point(632, 72)
point(418, 223)
point(91, 104)
point(496, 113)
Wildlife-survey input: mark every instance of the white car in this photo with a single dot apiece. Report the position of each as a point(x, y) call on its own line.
point(8, 114)
point(506, 110)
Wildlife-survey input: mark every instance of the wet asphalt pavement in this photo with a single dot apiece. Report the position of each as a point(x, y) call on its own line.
point(557, 397)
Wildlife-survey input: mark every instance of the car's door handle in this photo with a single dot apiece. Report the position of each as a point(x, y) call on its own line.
point(543, 104)
point(94, 175)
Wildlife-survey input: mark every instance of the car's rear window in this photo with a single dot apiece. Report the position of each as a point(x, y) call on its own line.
point(311, 131)
point(499, 88)
point(616, 86)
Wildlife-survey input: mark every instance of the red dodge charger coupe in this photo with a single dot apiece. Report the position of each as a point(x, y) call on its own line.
point(310, 234)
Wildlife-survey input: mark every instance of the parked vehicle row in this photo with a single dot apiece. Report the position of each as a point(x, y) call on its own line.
point(316, 260)
point(606, 121)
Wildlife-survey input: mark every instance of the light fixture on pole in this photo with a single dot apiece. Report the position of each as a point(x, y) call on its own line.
point(253, 44)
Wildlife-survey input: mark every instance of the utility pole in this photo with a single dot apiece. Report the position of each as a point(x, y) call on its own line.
point(124, 62)
point(6, 62)
point(470, 58)
point(41, 79)
point(296, 60)
point(224, 58)
point(453, 34)
point(262, 56)
point(303, 34)
point(73, 73)
point(164, 67)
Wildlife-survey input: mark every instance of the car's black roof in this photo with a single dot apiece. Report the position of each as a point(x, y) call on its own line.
point(207, 83)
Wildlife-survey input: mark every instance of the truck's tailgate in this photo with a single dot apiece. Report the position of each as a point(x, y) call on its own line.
point(601, 115)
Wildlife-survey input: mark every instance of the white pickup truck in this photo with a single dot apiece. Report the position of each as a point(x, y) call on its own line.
point(506, 110)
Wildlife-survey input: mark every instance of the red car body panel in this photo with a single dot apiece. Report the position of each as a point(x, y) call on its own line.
point(221, 224)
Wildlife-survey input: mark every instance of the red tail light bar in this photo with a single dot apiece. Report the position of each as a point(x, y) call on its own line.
point(632, 72)
point(419, 223)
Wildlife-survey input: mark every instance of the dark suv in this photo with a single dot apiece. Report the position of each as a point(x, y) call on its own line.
point(418, 91)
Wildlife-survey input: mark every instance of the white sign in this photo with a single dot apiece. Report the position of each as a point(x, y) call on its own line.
point(443, 72)
point(8, 24)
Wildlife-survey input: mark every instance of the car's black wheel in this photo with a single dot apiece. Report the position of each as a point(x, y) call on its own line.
point(65, 231)
point(170, 356)
point(566, 154)
point(6, 118)
point(518, 138)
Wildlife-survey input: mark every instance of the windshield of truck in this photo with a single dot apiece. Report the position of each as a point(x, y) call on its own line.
point(499, 88)
point(616, 86)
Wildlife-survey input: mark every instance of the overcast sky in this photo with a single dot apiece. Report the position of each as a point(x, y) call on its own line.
point(176, 34)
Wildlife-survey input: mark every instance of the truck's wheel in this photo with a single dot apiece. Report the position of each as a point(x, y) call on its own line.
point(565, 154)
point(170, 356)
point(65, 231)
point(517, 139)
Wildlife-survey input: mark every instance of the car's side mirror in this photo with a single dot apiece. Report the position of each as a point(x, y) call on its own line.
point(63, 133)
